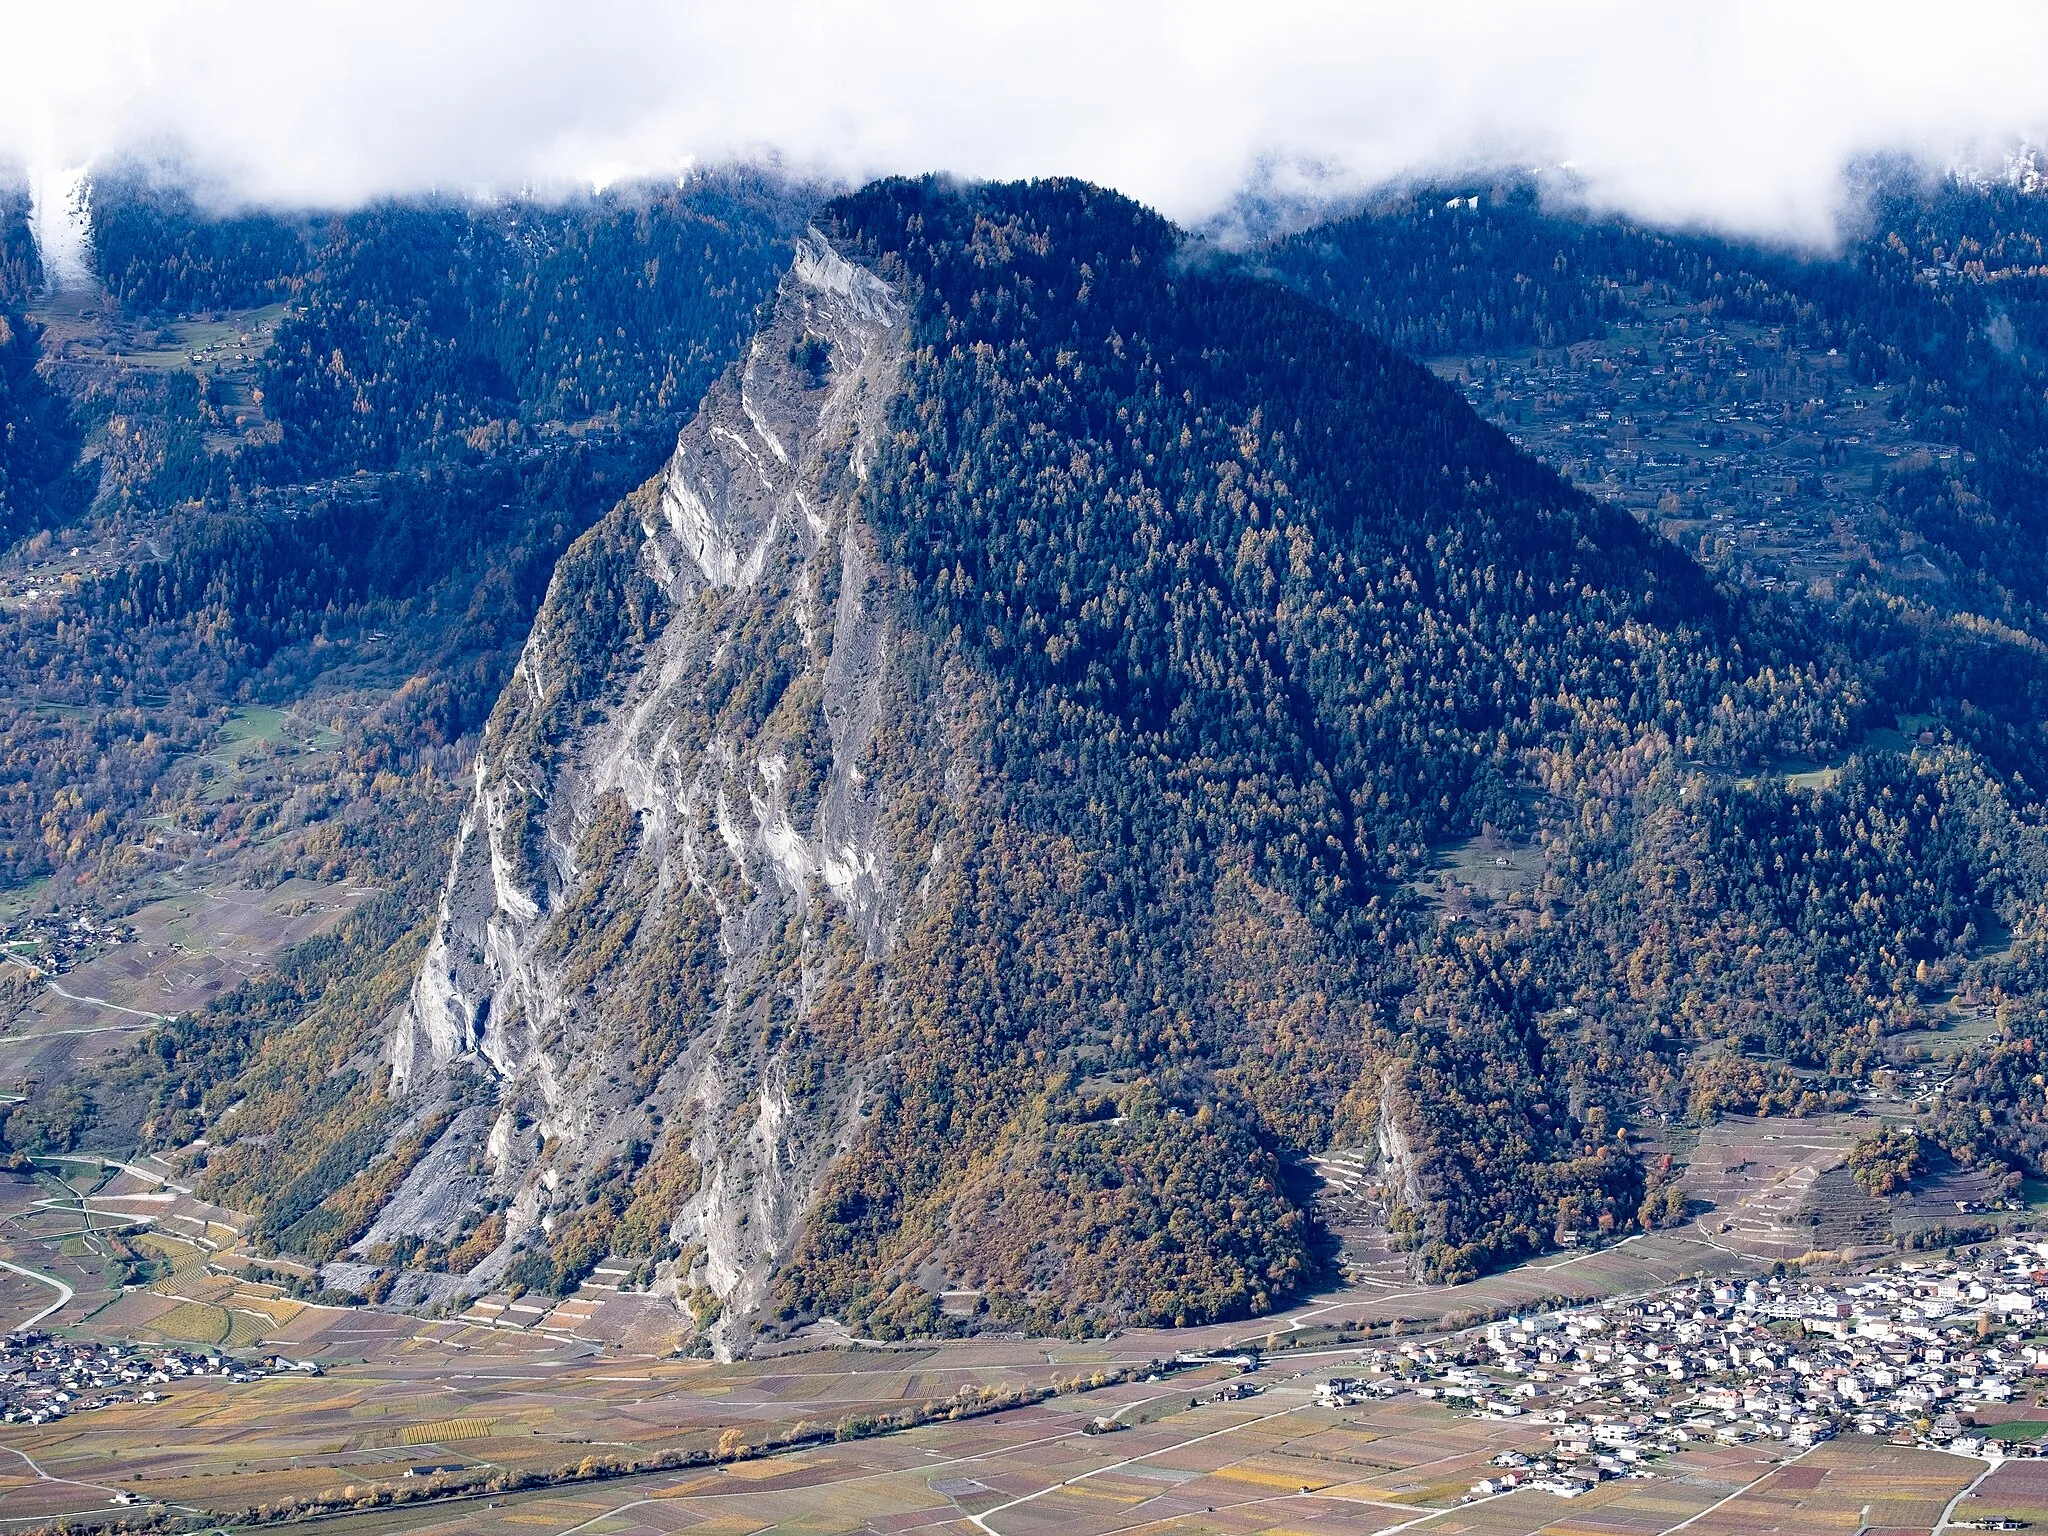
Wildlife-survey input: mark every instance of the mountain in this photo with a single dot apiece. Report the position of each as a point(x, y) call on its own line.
point(1072, 730)
point(1863, 427)
point(974, 824)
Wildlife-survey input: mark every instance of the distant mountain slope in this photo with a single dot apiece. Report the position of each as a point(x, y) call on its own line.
point(38, 441)
point(1877, 415)
point(159, 253)
point(414, 330)
point(223, 542)
point(984, 814)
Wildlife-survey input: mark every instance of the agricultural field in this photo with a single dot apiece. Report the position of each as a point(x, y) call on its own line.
point(189, 947)
point(537, 1395)
point(1766, 1181)
point(527, 1389)
point(1763, 1191)
point(1186, 1463)
point(1854, 1484)
point(2016, 1491)
point(573, 1400)
point(96, 344)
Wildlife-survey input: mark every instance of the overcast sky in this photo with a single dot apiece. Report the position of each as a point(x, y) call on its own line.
point(1738, 115)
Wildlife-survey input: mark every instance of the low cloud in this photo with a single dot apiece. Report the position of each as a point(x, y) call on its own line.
point(1740, 116)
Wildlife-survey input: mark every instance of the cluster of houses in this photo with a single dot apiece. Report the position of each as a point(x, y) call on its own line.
point(1936, 1353)
point(54, 942)
point(1752, 439)
point(44, 1378)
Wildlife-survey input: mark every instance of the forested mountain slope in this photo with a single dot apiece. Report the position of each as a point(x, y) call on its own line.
point(1856, 433)
point(1868, 423)
point(966, 826)
point(38, 442)
point(392, 574)
point(21, 267)
point(239, 645)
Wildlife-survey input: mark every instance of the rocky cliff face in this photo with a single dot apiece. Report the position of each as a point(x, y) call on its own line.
point(944, 849)
point(681, 839)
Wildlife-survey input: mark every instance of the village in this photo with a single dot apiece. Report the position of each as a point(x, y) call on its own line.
point(44, 1378)
point(51, 943)
point(1936, 1353)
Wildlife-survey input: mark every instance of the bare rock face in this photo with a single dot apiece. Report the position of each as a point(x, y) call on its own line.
point(688, 844)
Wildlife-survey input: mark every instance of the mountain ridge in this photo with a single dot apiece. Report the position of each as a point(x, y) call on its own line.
point(966, 832)
point(711, 527)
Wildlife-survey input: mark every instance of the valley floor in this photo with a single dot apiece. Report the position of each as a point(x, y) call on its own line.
point(1182, 1460)
point(400, 1393)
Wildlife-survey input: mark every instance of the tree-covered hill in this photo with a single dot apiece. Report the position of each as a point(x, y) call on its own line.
point(1268, 615)
point(1217, 633)
point(419, 329)
point(1937, 297)
point(1237, 624)
point(1817, 931)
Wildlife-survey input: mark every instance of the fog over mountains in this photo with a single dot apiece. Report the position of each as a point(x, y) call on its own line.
point(1738, 116)
point(826, 675)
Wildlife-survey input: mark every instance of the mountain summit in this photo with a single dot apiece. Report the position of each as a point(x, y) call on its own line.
point(965, 831)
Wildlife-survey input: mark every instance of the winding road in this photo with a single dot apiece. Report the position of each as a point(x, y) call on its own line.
point(64, 1293)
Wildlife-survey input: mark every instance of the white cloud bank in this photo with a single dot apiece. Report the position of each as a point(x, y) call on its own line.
point(1741, 115)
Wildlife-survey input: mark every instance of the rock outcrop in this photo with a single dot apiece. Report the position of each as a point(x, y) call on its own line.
point(943, 851)
point(673, 842)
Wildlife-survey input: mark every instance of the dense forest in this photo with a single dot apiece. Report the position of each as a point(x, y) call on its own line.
point(425, 329)
point(1263, 623)
point(159, 253)
point(417, 331)
point(260, 584)
point(39, 440)
point(1941, 292)
point(21, 268)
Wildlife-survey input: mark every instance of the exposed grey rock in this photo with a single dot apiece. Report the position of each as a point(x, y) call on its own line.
point(778, 824)
point(442, 1188)
point(347, 1275)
